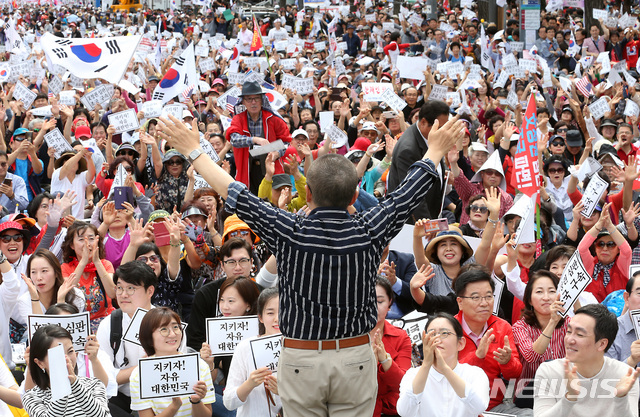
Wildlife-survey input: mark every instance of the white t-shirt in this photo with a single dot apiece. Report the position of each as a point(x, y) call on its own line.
point(79, 185)
point(6, 381)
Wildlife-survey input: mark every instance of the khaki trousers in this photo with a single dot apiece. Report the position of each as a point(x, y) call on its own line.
point(336, 383)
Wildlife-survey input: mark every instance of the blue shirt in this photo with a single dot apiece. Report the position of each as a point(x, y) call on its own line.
point(22, 170)
point(621, 347)
point(328, 261)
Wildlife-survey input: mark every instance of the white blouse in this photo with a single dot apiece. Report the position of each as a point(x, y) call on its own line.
point(438, 397)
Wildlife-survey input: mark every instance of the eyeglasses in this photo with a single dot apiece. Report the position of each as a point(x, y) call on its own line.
point(174, 162)
point(9, 238)
point(130, 290)
point(562, 130)
point(558, 143)
point(478, 208)
point(609, 245)
point(152, 258)
point(164, 331)
point(127, 153)
point(476, 298)
point(556, 170)
point(252, 99)
point(233, 262)
point(443, 334)
point(239, 233)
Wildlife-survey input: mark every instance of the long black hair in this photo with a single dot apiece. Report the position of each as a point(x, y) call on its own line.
point(39, 349)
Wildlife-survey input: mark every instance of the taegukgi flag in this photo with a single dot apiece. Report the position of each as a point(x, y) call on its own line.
point(105, 58)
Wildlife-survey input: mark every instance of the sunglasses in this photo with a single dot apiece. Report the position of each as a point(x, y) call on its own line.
point(478, 208)
point(563, 130)
point(127, 153)
point(609, 245)
point(174, 162)
point(239, 233)
point(9, 238)
point(556, 170)
point(558, 143)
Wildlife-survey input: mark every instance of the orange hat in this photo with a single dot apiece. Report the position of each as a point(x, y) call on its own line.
point(232, 224)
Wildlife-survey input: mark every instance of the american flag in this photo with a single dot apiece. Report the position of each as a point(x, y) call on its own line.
point(585, 86)
point(231, 103)
point(187, 92)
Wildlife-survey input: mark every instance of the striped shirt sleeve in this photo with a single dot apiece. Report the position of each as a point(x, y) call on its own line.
point(241, 141)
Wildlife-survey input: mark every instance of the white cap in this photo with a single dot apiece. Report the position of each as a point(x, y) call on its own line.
point(300, 132)
point(492, 163)
point(186, 113)
point(477, 146)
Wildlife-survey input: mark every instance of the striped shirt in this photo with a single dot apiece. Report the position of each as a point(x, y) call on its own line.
point(327, 262)
point(525, 336)
point(88, 398)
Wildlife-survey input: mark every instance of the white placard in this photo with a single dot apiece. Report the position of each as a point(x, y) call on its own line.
point(516, 46)
point(497, 293)
point(600, 14)
point(200, 182)
point(438, 92)
point(131, 334)
point(274, 146)
point(124, 121)
point(23, 94)
point(222, 100)
point(152, 108)
point(55, 85)
point(455, 99)
point(635, 320)
point(55, 139)
point(599, 108)
point(413, 323)
point(288, 64)
point(412, 67)
point(168, 376)
point(58, 373)
point(393, 100)
point(208, 148)
point(574, 280)
point(373, 91)
point(44, 111)
point(174, 110)
point(224, 333)
point(454, 69)
point(303, 86)
point(77, 325)
point(525, 233)
point(67, 98)
point(337, 136)
point(207, 65)
point(99, 95)
point(592, 194)
point(631, 109)
point(326, 120)
point(202, 51)
point(266, 351)
point(590, 166)
point(528, 65)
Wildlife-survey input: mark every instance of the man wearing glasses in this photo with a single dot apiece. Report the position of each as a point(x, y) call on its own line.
point(257, 125)
point(489, 339)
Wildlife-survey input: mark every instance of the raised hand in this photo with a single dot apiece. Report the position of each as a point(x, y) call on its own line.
point(33, 291)
point(573, 383)
point(503, 355)
point(109, 213)
point(442, 139)
point(429, 341)
point(483, 346)
point(200, 388)
point(492, 200)
point(420, 278)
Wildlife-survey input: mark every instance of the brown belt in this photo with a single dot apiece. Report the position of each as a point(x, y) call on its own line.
point(326, 344)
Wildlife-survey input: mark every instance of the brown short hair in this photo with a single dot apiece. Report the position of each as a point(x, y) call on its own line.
point(153, 320)
point(247, 289)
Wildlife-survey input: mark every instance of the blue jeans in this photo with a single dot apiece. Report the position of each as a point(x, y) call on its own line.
point(218, 409)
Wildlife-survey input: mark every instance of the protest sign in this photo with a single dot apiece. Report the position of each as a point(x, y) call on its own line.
point(592, 194)
point(152, 108)
point(527, 170)
point(413, 323)
point(438, 92)
point(631, 109)
point(99, 95)
point(168, 376)
point(76, 324)
point(23, 94)
point(412, 67)
point(55, 139)
point(635, 320)
point(55, 85)
point(207, 65)
point(131, 334)
point(266, 351)
point(326, 120)
point(393, 100)
point(373, 91)
point(200, 182)
point(67, 97)
point(44, 111)
point(588, 167)
point(574, 280)
point(497, 293)
point(208, 148)
point(124, 121)
point(337, 136)
point(599, 108)
point(274, 146)
point(58, 372)
point(224, 333)
point(174, 110)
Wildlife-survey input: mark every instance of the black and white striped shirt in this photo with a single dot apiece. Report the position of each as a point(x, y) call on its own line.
point(327, 262)
point(88, 398)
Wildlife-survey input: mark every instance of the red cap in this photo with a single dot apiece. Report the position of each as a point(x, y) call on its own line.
point(361, 144)
point(83, 131)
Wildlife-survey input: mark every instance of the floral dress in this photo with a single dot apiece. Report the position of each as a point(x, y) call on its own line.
point(171, 190)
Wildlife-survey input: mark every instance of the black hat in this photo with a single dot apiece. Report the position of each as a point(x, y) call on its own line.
point(251, 88)
point(608, 122)
point(154, 78)
point(574, 138)
point(557, 159)
point(281, 180)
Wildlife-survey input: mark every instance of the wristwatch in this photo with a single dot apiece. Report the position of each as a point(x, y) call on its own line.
point(387, 359)
point(194, 154)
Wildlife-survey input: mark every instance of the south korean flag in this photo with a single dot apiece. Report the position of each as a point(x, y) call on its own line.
point(105, 58)
point(177, 78)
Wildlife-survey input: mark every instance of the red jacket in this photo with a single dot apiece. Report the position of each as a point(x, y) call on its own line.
point(490, 366)
point(274, 128)
point(398, 345)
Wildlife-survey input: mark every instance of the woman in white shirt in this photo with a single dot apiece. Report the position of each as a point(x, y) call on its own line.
point(244, 390)
point(442, 386)
point(556, 169)
point(74, 171)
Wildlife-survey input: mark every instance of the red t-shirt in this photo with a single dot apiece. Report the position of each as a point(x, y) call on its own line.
point(98, 304)
point(631, 53)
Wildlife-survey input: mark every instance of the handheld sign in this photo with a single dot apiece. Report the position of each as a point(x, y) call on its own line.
point(413, 323)
point(208, 148)
point(168, 376)
point(76, 324)
point(174, 110)
point(124, 121)
point(200, 182)
point(58, 373)
point(152, 108)
point(337, 136)
point(635, 320)
point(573, 281)
point(393, 100)
point(592, 195)
point(23, 94)
point(99, 95)
point(271, 147)
point(266, 351)
point(55, 85)
point(497, 293)
point(56, 140)
point(131, 334)
point(67, 97)
point(373, 91)
point(224, 333)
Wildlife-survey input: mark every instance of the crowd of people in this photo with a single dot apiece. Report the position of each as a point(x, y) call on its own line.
point(309, 139)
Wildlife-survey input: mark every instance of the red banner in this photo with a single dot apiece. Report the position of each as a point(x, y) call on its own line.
point(527, 171)
point(256, 42)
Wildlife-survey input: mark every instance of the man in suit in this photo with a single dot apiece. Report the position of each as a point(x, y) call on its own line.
point(410, 148)
point(399, 268)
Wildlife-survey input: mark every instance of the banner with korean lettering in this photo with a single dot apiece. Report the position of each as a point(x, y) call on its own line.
point(76, 324)
point(168, 376)
point(527, 171)
point(224, 333)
